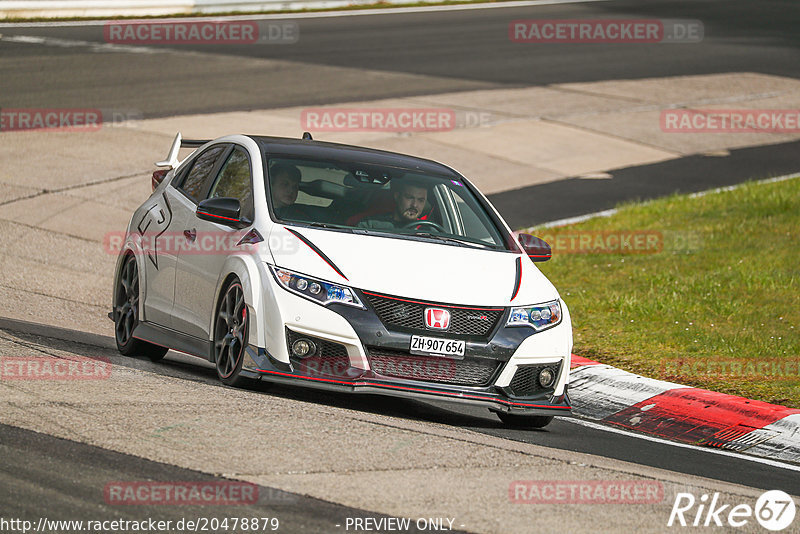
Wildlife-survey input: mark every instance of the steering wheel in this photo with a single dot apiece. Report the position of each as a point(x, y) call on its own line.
point(424, 223)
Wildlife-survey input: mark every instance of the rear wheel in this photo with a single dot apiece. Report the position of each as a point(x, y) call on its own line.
point(525, 421)
point(230, 335)
point(126, 315)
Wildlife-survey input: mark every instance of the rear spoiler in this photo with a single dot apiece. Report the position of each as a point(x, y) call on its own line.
point(179, 142)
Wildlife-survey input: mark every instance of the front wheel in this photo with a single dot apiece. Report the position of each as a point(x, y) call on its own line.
point(525, 421)
point(126, 315)
point(230, 335)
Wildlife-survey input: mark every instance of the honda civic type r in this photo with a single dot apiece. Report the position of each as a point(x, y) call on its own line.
point(345, 268)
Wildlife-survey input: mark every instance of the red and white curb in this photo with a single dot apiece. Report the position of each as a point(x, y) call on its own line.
point(681, 413)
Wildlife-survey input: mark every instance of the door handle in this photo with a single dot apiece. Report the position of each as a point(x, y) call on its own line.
point(191, 235)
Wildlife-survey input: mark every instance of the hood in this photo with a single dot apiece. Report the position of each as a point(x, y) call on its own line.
point(413, 269)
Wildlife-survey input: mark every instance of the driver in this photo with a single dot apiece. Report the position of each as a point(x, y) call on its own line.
point(410, 198)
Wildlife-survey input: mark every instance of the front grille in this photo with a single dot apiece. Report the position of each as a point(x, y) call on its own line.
point(411, 315)
point(329, 359)
point(526, 380)
point(401, 364)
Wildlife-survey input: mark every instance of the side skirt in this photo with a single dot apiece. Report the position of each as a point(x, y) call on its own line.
point(166, 337)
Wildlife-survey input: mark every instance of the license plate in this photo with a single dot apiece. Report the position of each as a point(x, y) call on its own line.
point(437, 346)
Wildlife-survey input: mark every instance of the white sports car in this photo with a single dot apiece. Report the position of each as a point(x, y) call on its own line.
point(339, 267)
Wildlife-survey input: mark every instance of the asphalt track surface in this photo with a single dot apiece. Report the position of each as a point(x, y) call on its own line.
point(560, 434)
point(70, 478)
point(537, 204)
point(435, 51)
point(440, 52)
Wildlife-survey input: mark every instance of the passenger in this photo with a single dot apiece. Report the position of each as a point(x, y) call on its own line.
point(410, 198)
point(284, 186)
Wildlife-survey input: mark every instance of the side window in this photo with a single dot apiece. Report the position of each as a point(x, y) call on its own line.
point(475, 221)
point(198, 180)
point(234, 181)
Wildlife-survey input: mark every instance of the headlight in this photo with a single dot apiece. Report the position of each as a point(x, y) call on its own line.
point(539, 317)
point(322, 292)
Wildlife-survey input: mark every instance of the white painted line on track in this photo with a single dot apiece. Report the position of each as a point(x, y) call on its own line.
point(719, 452)
point(737, 186)
point(72, 43)
point(578, 219)
point(314, 15)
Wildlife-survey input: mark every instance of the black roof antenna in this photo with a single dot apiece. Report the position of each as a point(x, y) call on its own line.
point(307, 136)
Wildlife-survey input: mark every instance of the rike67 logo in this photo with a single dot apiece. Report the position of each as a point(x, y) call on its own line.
point(774, 510)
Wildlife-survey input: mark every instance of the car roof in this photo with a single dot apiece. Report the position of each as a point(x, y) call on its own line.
point(300, 148)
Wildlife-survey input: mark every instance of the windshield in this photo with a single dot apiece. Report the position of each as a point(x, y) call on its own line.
point(381, 200)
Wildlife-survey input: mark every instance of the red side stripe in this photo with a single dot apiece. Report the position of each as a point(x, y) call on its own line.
point(318, 252)
point(219, 216)
point(518, 279)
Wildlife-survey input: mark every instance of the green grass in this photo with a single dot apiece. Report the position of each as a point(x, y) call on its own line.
point(732, 295)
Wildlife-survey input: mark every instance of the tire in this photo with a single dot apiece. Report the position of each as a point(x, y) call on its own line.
point(525, 421)
point(126, 314)
point(231, 328)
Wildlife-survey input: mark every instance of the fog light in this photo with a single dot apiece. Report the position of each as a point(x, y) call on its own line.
point(546, 377)
point(302, 348)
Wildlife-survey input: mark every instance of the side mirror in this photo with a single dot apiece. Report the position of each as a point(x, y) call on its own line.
point(223, 210)
point(536, 248)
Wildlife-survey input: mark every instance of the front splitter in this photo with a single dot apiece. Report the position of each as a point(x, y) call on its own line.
point(264, 367)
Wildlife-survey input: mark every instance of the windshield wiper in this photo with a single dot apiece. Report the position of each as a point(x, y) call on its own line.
point(459, 242)
point(327, 225)
point(426, 235)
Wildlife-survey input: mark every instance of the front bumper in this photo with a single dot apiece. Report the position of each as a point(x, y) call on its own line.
point(358, 336)
point(260, 365)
